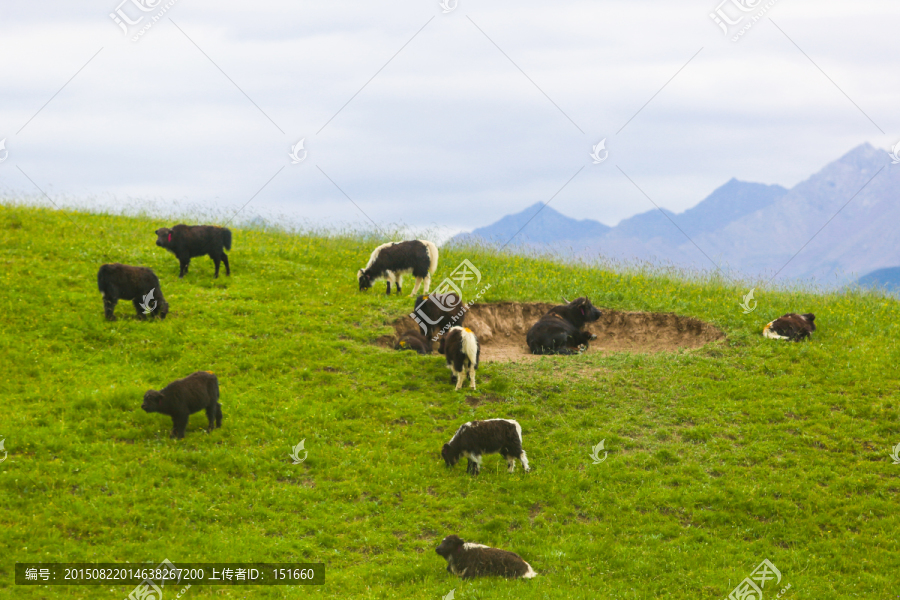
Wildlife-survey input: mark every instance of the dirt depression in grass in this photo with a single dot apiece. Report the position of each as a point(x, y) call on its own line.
point(501, 328)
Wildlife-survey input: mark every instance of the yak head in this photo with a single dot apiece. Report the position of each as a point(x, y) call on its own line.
point(449, 545)
point(365, 280)
point(450, 459)
point(151, 401)
point(582, 310)
point(164, 237)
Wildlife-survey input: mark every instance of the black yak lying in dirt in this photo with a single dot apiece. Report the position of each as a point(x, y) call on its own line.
point(186, 242)
point(474, 560)
point(435, 313)
point(560, 330)
point(413, 340)
point(138, 284)
point(183, 397)
point(791, 327)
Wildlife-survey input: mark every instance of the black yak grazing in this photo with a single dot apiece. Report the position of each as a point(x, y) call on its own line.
point(187, 242)
point(183, 397)
point(393, 260)
point(477, 438)
point(413, 340)
point(461, 348)
point(475, 560)
point(560, 330)
point(138, 284)
point(791, 327)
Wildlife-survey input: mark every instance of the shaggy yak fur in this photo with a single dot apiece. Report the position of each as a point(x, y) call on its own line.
point(791, 327)
point(186, 242)
point(434, 312)
point(494, 436)
point(117, 281)
point(460, 347)
point(413, 340)
point(475, 560)
point(561, 329)
point(393, 260)
point(183, 397)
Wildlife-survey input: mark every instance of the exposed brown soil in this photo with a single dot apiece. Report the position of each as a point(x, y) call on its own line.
point(501, 329)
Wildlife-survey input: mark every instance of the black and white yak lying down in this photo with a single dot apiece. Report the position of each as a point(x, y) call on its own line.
point(138, 284)
point(393, 260)
point(560, 331)
point(791, 327)
point(460, 346)
point(413, 340)
point(477, 438)
point(476, 560)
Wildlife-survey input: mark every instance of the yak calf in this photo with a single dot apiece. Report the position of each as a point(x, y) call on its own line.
point(138, 284)
point(791, 327)
point(187, 242)
point(477, 438)
point(474, 560)
point(561, 329)
point(183, 397)
point(460, 347)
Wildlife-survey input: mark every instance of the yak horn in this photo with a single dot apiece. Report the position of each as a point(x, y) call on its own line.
point(565, 300)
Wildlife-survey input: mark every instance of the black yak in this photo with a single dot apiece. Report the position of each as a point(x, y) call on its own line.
point(460, 346)
point(561, 329)
point(393, 260)
point(437, 312)
point(476, 560)
point(791, 327)
point(138, 284)
point(183, 397)
point(187, 242)
point(413, 340)
point(477, 438)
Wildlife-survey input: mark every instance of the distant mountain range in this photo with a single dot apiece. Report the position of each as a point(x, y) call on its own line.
point(839, 223)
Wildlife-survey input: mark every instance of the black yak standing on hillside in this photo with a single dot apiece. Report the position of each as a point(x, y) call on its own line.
point(198, 391)
point(138, 284)
point(560, 330)
point(186, 242)
point(393, 260)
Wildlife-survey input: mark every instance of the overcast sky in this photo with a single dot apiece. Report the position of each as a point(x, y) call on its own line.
point(430, 118)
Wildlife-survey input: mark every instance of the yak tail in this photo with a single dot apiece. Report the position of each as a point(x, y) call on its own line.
point(101, 277)
point(432, 251)
point(470, 345)
point(214, 387)
point(226, 237)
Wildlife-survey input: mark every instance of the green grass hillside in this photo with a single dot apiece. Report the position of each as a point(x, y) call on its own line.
point(743, 450)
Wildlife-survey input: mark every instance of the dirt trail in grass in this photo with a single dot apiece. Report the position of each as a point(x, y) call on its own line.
point(501, 329)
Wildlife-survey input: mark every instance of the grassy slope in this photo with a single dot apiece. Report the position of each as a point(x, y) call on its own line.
point(720, 457)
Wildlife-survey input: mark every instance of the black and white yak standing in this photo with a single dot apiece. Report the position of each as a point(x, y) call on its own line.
point(476, 560)
point(493, 436)
point(393, 260)
point(460, 347)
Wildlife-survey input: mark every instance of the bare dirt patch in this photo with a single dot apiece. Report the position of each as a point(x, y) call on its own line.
point(501, 328)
